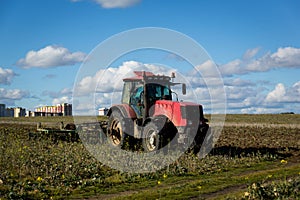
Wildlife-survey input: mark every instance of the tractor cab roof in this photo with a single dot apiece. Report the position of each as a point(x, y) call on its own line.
point(147, 77)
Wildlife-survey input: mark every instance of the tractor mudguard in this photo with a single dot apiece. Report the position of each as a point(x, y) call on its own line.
point(124, 109)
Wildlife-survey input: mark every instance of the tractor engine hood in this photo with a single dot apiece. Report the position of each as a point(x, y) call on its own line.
point(180, 113)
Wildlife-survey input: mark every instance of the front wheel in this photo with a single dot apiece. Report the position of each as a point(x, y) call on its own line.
point(151, 140)
point(199, 140)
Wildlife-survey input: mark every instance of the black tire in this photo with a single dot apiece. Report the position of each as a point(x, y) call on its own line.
point(116, 129)
point(199, 139)
point(151, 138)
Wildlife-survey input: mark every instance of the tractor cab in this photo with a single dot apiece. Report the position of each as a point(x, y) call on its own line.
point(142, 91)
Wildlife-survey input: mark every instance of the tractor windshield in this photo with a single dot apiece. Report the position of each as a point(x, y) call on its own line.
point(154, 92)
point(158, 92)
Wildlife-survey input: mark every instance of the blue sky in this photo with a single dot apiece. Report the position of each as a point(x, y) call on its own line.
point(256, 45)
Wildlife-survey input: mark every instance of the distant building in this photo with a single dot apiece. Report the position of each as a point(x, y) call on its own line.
point(2, 110)
point(19, 112)
point(12, 112)
point(28, 113)
point(102, 111)
point(9, 112)
point(64, 109)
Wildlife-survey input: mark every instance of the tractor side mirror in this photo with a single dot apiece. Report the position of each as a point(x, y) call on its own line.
point(183, 88)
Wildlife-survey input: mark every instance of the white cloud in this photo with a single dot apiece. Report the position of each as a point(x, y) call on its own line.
point(51, 56)
point(6, 76)
point(253, 99)
point(207, 69)
point(236, 66)
point(58, 97)
point(238, 82)
point(111, 79)
point(107, 85)
point(277, 94)
point(284, 95)
point(260, 110)
point(287, 57)
point(239, 93)
point(12, 94)
point(64, 99)
point(250, 53)
point(116, 3)
point(57, 94)
point(249, 97)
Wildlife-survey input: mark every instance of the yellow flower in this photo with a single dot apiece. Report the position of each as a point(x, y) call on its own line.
point(199, 187)
point(269, 176)
point(63, 176)
point(283, 161)
point(39, 179)
point(247, 194)
point(165, 176)
point(158, 182)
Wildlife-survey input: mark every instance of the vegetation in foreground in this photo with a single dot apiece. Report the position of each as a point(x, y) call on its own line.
point(248, 162)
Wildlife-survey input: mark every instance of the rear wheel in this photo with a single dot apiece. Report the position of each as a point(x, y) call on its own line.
point(151, 140)
point(116, 126)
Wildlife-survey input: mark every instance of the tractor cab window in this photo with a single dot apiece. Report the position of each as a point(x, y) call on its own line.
point(126, 92)
point(158, 92)
point(137, 95)
point(154, 92)
point(137, 100)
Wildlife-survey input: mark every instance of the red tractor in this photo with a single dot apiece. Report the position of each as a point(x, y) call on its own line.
point(148, 114)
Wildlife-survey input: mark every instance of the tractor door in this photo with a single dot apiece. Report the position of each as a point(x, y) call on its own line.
point(137, 100)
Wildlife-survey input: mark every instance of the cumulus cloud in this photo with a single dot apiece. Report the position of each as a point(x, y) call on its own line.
point(106, 85)
point(277, 94)
point(50, 56)
point(64, 99)
point(281, 94)
point(111, 79)
point(243, 98)
point(238, 82)
point(116, 3)
point(13, 94)
point(57, 94)
point(58, 97)
point(6, 76)
point(286, 57)
point(239, 93)
point(250, 53)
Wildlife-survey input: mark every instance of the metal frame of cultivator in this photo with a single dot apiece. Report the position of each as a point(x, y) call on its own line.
point(65, 133)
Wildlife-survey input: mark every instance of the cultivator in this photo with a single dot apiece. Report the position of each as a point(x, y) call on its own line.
point(72, 133)
point(66, 133)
